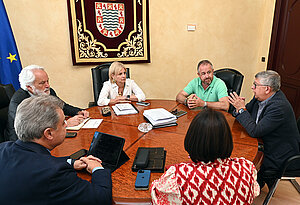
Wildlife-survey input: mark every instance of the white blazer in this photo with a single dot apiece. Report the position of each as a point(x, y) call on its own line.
point(110, 91)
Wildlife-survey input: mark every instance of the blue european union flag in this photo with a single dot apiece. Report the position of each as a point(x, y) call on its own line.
point(10, 64)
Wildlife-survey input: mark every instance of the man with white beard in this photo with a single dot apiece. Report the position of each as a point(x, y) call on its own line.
point(34, 81)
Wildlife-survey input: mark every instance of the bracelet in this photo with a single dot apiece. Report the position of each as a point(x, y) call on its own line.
point(185, 101)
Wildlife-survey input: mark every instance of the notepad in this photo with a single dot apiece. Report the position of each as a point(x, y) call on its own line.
point(92, 123)
point(124, 106)
point(77, 127)
point(124, 109)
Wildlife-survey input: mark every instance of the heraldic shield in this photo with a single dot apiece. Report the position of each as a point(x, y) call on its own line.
point(109, 30)
point(110, 18)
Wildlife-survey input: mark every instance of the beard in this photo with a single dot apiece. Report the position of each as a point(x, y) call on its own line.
point(44, 92)
point(207, 81)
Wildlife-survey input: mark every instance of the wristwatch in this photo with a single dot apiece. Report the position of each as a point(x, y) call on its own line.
point(240, 111)
point(128, 97)
point(205, 104)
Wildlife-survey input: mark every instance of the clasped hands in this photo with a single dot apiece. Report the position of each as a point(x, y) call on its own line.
point(89, 163)
point(123, 99)
point(236, 101)
point(194, 101)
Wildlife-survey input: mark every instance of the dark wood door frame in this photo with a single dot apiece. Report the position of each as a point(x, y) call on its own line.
point(282, 56)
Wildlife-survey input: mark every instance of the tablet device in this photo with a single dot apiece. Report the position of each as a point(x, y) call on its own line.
point(108, 148)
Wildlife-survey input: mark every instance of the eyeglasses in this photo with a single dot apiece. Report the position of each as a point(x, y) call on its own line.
point(257, 85)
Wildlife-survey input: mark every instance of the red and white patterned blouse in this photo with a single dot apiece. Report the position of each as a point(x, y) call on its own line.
point(228, 181)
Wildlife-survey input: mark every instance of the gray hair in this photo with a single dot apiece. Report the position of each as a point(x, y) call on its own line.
point(26, 76)
point(269, 78)
point(35, 114)
point(204, 62)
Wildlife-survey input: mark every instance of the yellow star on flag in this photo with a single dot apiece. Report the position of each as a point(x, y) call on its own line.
point(12, 57)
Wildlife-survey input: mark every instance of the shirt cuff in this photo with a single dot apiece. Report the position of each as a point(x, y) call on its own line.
point(96, 168)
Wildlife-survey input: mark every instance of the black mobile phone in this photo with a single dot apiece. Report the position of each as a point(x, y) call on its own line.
point(71, 134)
point(78, 154)
point(142, 179)
point(143, 103)
point(180, 113)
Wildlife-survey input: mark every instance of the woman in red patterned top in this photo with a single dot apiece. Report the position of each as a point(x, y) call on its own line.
point(213, 177)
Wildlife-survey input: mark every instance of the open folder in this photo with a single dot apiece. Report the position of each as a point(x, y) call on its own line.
point(124, 109)
point(77, 127)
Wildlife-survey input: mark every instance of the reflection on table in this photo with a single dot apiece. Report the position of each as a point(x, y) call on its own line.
point(171, 138)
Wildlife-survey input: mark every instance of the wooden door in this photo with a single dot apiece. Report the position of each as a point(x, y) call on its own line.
point(284, 54)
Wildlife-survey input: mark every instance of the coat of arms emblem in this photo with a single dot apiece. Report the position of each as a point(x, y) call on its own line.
point(110, 18)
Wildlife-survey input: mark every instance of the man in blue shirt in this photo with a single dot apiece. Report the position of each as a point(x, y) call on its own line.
point(205, 91)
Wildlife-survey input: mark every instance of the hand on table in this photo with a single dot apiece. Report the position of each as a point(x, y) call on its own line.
point(91, 163)
point(119, 99)
point(194, 101)
point(76, 120)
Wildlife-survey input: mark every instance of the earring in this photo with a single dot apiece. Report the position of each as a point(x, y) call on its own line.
point(114, 81)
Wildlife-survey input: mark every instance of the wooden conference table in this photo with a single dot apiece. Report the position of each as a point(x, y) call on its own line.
point(171, 138)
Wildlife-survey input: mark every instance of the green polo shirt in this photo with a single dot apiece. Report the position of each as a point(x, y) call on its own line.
point(215, 91)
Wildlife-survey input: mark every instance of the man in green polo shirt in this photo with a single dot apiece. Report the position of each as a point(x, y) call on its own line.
point(205, 91)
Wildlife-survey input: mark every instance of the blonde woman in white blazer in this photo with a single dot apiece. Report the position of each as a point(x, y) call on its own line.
point(118, 89)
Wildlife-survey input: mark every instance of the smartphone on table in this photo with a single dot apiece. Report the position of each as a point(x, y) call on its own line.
point(71, 134)
point(78, 154)
point(180, 113)
point(143, 103)
point(142, 179)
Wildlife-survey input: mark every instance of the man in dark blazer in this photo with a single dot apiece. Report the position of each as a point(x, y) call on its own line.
point(31, 175)
point(34, 82)
point(269, 116)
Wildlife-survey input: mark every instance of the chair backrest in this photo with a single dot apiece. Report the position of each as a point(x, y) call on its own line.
point(99, 76)
point(233, 80)
point(6, 92)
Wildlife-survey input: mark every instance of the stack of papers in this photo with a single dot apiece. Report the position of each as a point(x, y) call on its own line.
point(160, 117)
point(124, 109)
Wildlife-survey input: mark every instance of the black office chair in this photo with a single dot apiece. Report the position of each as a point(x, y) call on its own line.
point(6, 92)
point(233, 80)
point(289, 175)
point(99, 76)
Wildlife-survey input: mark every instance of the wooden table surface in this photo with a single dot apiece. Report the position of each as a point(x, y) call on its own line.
point(171, 138)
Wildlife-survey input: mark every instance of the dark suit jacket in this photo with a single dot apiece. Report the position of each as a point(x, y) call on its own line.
point(276, 127)
point(16, 99)
point(30, 175)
